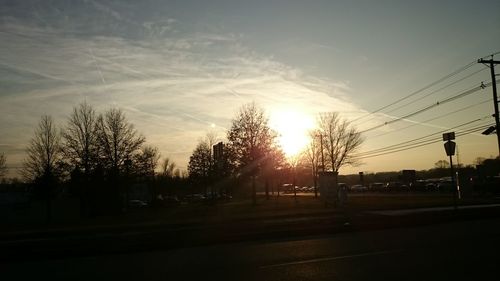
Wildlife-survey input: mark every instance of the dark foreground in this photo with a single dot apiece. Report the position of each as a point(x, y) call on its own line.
point(461, 250)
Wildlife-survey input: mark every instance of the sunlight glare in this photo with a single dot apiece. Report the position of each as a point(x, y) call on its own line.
point(293, 127)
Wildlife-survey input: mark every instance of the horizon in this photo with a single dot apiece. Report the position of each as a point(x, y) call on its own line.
point(180, 70)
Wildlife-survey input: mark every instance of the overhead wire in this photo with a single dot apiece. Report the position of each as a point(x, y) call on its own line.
point(408, 142)
point(433, 118)
point(463, 68)
point(447, 100)
point(433, 92)
point(419, 90)
point(428, 142)
point(411, 144)
point(440, 89)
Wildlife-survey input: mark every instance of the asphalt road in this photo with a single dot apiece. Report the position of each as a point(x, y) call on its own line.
point(468, 250)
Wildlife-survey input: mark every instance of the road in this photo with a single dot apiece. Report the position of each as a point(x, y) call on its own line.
point(465, 250)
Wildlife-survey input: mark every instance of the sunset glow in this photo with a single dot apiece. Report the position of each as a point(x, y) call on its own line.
point(292, 127)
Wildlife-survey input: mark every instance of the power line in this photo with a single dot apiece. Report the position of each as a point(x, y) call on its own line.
point(449, 99)
point(419, 90)
point(422, 138)
point(409, 143)
point(425, 87)
point(491, 55)
point(438, 90)
point(433, 92)
point(428, 142)
point(431, 119)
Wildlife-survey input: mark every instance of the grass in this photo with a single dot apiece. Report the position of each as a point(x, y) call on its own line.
point(283, 206)
point(289, 206)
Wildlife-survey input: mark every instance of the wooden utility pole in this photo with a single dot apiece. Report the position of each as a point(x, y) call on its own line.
point(491, 63)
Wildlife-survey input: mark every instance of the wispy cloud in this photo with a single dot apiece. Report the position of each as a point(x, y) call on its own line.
point(173, 88)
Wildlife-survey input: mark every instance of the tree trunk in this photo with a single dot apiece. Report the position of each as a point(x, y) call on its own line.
point(254, 192)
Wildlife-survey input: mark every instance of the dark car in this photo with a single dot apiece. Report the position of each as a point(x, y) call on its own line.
point(396, 187)
point(377, 186)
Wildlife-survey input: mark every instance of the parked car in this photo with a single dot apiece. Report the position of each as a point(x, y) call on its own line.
point(287, 188)
point(396, 186)
point(134, 203)
point(197, 197)
point(445, 186)
point(377, 186)
point(358, 188)
point(431, 187)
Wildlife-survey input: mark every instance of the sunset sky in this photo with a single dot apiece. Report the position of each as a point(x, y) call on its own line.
point(180, 69)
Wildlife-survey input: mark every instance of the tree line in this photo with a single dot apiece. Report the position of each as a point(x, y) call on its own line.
point(96, 155)
point(252, 151)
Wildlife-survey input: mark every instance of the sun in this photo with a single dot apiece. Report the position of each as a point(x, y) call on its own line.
point(293, 128)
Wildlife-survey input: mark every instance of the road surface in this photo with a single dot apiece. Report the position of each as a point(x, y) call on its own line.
point(466, 250)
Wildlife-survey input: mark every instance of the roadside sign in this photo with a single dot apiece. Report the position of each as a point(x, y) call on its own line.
point(449, 136)
point(449, 146)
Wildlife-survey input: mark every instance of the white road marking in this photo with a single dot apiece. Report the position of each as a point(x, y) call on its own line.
point(330, 259)
point(423, 210)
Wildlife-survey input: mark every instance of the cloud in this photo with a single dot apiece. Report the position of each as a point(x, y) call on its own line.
point(172, 88)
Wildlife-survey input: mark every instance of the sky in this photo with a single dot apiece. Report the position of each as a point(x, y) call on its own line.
point(181, 69)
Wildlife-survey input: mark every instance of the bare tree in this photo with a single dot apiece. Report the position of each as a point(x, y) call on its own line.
point(311, 157)
point(200, 162)
point(44, 152)
point(80, 139)
point(340, 140)
point(477, 161)
point(145, 161)
point(3, 165)
point(168, 168)
point(441, 164)
point(250, 140)
point(118, 139)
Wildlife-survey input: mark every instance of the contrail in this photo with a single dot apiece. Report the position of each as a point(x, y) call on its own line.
point(44, 75)
point(234, 93)
point(98, 66)
point(415, 122)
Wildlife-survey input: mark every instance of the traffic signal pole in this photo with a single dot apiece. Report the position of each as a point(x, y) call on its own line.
point(491, 63)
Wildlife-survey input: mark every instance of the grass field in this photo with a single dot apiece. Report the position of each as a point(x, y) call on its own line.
point(274, 207)
point(288, 206)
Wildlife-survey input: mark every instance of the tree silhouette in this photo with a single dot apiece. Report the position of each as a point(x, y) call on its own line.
point(250, 140)
point(118, 139)
point(274, 160)
point(80, 139)
point(3, 165)
point(201, 163)
point(340, 140)
point(44, 152)
point(145, 162)
point(43, 163)
point(168, 168)
point(441, 164)
point(311, 157)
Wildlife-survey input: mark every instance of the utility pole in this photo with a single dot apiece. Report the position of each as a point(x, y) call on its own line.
point(491, 63)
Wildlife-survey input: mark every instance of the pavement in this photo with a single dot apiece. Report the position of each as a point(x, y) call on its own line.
point(429, 210)
point(459, 250)
point(120, 239)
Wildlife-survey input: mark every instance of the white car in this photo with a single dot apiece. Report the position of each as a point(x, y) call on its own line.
point(137, 203)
